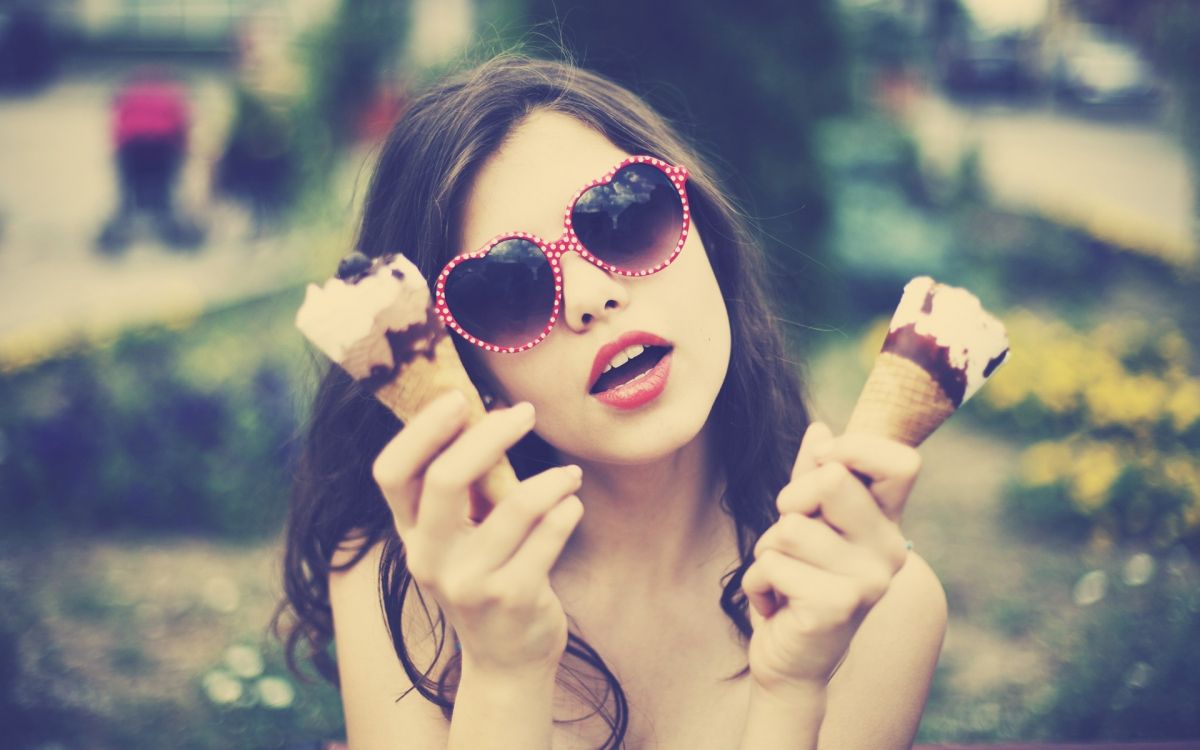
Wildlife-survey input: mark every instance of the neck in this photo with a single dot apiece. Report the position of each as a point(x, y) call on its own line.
point(651, 528)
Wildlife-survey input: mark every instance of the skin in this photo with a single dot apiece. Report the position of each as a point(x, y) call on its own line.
point(649, 463)
point(632, 523)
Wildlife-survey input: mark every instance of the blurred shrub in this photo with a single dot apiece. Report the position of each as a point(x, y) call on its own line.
point(1117, 410)
point(1129, 669)
point(189, 430)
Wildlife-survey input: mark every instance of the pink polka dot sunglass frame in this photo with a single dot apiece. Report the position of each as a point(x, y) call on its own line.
point(565, 243)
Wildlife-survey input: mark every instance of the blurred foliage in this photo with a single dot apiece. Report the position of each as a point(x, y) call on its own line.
point(349, 58)
point(748, 83)
point(263, 158)
point(187, 430)
point(1129, 669)
point(1122, 407)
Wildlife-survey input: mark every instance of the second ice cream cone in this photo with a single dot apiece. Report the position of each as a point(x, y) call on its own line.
point(900, 401)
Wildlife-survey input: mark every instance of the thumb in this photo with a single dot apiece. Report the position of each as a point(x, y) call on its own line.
point(817, 438)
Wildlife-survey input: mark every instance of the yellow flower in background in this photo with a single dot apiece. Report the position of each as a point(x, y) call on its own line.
point(1058, 384)
point(1183, 405)
point(1007, 388)
point(1131, 400)
point(1045, 463)
point(1182, 473)
point(1094, 470)
point(1174, 348)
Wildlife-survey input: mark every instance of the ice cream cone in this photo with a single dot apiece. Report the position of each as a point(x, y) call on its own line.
point(900, 401)
point(377, 322)
point(424, 379)
point(941, 347)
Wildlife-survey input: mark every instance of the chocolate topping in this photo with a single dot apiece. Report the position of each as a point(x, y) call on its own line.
point(353, 265)
point(414, 341)
point(356, 266)
point(934, 359)
point(994, 362)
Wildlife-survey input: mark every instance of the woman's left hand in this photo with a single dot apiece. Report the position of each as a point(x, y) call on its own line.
point(829, 558)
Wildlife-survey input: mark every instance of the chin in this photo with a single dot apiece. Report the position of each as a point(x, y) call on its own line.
point(644, 435)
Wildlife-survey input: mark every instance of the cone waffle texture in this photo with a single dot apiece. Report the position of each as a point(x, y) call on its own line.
point(421, 381)
point(900, 401)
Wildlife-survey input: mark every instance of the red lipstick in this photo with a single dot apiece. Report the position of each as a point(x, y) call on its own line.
point(640, 390)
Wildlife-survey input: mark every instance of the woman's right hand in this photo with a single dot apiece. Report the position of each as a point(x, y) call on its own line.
point(492, 579)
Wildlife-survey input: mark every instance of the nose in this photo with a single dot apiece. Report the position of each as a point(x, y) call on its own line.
point(589, 292)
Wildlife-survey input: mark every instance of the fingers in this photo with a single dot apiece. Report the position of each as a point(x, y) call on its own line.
point(812, 541)
point(507, 526)
point(825, 595)
point(449, 476)
point(403, 460)
point(891, 467)
point(545, 543)
point(815, 440)
point(846, 506)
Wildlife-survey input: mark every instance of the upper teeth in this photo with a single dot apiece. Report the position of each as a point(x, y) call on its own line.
point(624, 356)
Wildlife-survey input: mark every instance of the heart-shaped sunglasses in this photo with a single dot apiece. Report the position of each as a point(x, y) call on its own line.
point(506, 296)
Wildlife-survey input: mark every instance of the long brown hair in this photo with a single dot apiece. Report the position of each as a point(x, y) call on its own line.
point(424, 172)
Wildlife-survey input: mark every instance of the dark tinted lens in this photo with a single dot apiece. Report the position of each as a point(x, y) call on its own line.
point(504, 298)
point(633, 222)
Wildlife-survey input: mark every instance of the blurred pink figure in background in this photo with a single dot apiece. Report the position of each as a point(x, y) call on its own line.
point(150, 125)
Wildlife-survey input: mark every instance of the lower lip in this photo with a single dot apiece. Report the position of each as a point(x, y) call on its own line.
point(639, 392)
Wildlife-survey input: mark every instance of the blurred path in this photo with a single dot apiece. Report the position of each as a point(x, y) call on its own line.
point(1125, 183)
point(58, 186)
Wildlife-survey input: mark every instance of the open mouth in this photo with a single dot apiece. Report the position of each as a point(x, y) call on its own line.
point(631, 370)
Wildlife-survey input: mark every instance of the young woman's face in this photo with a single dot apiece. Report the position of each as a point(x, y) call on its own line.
point(525, 186)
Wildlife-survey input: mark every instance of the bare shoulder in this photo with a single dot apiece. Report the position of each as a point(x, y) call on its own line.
point(877, 696)
point(372, 677)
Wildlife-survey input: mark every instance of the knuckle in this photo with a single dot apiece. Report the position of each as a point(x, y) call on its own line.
point(846, 604)
point(876, 583)
point(384, 470)
point(788, 497)
point(440, 477)
point(908, 461)
point(418, 568)
point(833, 477)
point(459, 591)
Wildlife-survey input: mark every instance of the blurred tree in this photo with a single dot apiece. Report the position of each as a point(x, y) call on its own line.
point(351, 56)
point(748, 82)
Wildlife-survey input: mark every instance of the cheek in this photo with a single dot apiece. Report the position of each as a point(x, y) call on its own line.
point(521, 377)
point(697, 305)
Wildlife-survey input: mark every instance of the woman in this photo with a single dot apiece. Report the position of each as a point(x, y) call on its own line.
point(675, 570)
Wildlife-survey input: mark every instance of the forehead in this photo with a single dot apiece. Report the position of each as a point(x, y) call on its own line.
point(527, 183)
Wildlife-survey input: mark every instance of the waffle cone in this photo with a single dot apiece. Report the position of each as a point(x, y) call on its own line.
point(900, 401)
point(424, 379)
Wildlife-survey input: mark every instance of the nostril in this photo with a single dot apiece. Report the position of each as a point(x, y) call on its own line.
point(610, 305)
point(587, 318)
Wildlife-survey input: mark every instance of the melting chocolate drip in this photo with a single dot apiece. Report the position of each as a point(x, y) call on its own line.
point(414, 341)
point(934, 359)
point(994, 362)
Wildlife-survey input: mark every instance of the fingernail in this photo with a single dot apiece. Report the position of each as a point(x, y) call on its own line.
point(524, 411)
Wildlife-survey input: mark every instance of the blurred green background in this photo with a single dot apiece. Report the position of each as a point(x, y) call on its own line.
point(152, 387)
